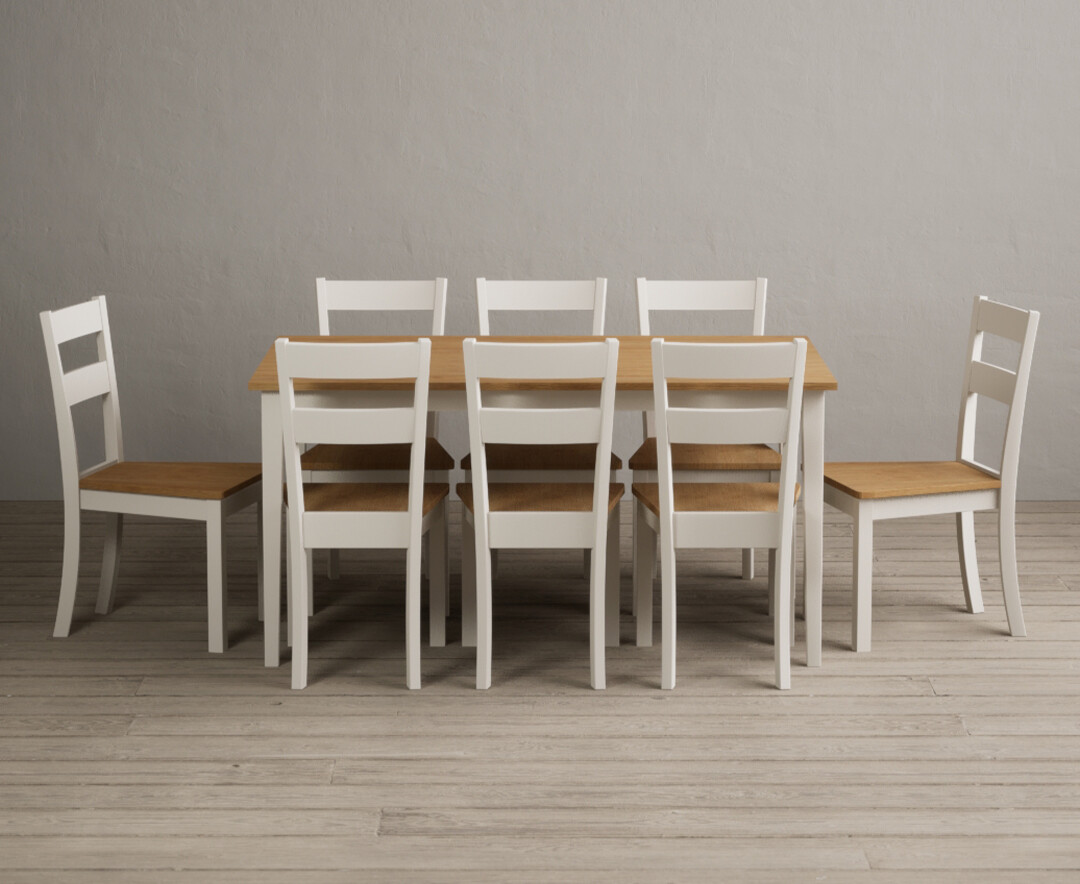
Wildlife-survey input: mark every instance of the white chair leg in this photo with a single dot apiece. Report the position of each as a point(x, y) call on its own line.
point(259, 558)
point(667, 613)
point(333, 564)
point(969, 563)
point(437, 579)
point(791, 583)
point(216, 591)
point(597, 622)
point(310, 555)
point(772, 581)
point(1010, 582)
point(613, 594)
point(644, 569)
point(412, 617)
point(862, 567)
point(69, 578)
point(782, 621)
point(298, 613)
point(483, 619)
point(633, 556)
point(468, 583)
point(110, 560)
point(748, 564)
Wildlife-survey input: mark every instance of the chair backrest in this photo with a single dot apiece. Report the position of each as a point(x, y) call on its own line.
point(533, 416)
point(1001, 384)
point(335, 295)
point(560, 296)
point(327, 421)
point(729, 296)
point(96, 380)
point(680, 418)
point(683, 295)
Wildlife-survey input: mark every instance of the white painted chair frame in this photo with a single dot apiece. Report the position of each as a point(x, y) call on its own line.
point(589, 420)
point(353, 296)
point(709, 295)
point(315, 419)
point(980, 379)
point(98, 380)
point(682, 418)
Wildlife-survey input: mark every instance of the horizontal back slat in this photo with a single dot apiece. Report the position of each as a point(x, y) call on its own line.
point(701, 295)
point(379, 295)
point(545, 426)
point(343, 426)
point(727, 426)
point(86, 383)
point(77, 321)
point(732, 361)
point(1002, 320)
point(539, 295)
point(993, 381)
point(332, 361)
point(543, 361)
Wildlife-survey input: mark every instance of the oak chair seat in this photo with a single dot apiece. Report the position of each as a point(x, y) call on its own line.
point(356, 458)
point(688, 456)
point(879, 480)
point(541, 457)
point(542, 497)
point(369, 497)
point(715, 497)
point(198, 481)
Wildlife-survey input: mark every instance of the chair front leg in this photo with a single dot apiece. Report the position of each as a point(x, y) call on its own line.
point(110, 561)
point(1010, 581)
point(69, 578)
point(438, 571)
point(969, 564)
point(862, 566)
point(217, 593)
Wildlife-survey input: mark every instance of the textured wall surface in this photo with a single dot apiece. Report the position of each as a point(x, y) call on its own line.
point(202, 162)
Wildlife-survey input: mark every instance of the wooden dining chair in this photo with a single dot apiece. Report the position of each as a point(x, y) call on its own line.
point(704, 463)
point(540, 514)
point(697, 515)
point(382, 514)
point(379, 463)
point(869, 491)
point(205, 492)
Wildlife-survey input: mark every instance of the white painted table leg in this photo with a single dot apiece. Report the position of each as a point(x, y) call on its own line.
point(272, 468)
point(813, 516)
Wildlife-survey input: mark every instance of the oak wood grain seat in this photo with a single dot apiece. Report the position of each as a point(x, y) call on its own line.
point(715, 497)
point(879, 480)
point(686, 456)
point(199, 481)
point(373, 457)
point(369, 497)
point(541, 457)
point(543, 497)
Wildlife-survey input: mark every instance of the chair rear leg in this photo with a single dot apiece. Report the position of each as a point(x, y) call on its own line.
point(667, 614)
point(598, 593)
point(862, 565)
point(216, 593)
point(1010, 582)
point(298, 612)
point(969, 564)
point(483, 619)
point(110, 561)
point(69, 578)
point(782, 618)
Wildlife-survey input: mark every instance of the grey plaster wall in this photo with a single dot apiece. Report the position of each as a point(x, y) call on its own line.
point(202, 162)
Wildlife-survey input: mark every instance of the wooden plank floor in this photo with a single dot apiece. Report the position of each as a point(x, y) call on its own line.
point(129, 754)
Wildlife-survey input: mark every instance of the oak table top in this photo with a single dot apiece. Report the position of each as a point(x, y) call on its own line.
point(634, 371)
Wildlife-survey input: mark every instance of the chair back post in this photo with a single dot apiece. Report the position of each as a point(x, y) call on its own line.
point(789, 459)
point(603, 447)
point(665, 475)
point(419, 448)
point(476, 440)
point(1007, 387)
point(550, 296)
point(91, 381)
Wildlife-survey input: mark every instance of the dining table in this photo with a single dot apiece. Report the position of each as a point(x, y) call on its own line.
point(633, 392)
